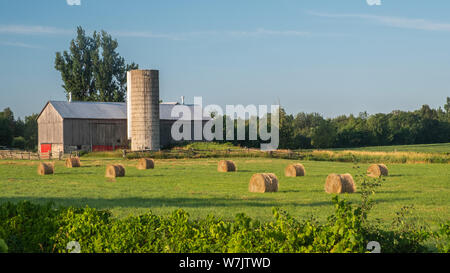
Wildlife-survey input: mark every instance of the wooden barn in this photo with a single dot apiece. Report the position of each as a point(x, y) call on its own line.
point(93, 126)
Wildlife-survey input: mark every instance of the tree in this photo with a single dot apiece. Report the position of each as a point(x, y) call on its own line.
point(6, 127)
point(18, 142)
point(31, 132)
point(378, 126)
point(286, 131)
point(6, 134)
point(92, 70)
point(447, 106)
point(324, 135)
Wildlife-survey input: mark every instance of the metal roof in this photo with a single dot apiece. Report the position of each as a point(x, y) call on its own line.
point(91, 110)
point(112, 110)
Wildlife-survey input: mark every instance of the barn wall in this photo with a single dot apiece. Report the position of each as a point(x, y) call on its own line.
point(50, 128)
point(86, 133)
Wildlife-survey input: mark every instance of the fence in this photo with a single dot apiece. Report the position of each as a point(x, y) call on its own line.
point(197, 153)
point(23, 155)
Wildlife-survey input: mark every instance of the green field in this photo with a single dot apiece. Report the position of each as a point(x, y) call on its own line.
point(196, 186)
point(418, 148)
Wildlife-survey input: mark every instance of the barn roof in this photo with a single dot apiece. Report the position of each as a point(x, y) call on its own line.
point(107, 110)
point(91, 110)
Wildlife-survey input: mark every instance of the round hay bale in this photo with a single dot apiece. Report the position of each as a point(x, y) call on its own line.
point(294, 170)
point(73, 162)
point(113, 171)
point(377, 170)
point(46, 168)
point(146, 163)
point(340, 183)
point(349, 183)
point(226, 166)
point(263, 182)
point(333, 184)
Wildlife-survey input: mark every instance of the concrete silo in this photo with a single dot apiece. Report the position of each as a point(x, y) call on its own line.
point(143, 109)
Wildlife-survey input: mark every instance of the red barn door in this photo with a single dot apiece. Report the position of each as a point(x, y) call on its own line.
point(45, 150)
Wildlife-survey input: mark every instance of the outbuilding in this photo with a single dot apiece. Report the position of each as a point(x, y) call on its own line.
point(93, 126)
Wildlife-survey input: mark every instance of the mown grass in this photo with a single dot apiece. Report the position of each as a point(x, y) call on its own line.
point(442, 148)
point(196, 186)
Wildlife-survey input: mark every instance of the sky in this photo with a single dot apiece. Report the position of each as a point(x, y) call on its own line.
point(327, 56)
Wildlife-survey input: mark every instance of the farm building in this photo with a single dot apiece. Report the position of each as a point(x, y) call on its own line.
point(66, 126)
point(94, 126)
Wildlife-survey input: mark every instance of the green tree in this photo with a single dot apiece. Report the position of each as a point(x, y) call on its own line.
point(6, 134)
point(6, 127)
point(286, 130)
point(31, 132)
point(18, 142)
point(447, 108)
point(378, 127)
point(324, 135)
point(92, 70)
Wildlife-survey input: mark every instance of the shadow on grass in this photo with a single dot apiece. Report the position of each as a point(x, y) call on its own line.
point(182, 202)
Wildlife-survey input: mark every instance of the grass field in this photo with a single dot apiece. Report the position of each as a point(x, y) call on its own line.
point(196, 186)
point(418, 148)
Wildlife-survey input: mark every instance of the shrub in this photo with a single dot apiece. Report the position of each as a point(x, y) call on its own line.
point(27, 227)
point(443, 235)
point(88, 227)
point(3, 246)
point(42, 228)
point(18, 143)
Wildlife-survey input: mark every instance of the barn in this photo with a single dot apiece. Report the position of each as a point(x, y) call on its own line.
point(65, 126)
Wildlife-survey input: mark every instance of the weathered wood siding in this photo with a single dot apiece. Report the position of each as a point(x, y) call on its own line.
point(50, 127)
point(78, 132)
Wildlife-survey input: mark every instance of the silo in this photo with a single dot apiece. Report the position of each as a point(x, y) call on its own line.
point(143, 109)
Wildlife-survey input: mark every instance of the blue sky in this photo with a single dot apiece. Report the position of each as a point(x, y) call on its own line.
point(332, 57)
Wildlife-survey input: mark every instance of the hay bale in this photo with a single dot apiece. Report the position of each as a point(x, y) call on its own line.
point(146, 163)
point(263, 182)
point(349, 183)
point(46, 168)
point(377, 170)
point(294, 170)
point(116, 170)
point(226, 166)
point(340, 183)
point(73, 162)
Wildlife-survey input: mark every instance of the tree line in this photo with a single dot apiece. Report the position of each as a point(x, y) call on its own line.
point(18, 133)
point(301, 131)
point(311, 130)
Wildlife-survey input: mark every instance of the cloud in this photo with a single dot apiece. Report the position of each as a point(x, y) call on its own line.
point(18, 44)
point(35, 30)
point(74, 2)
point(46, 30)
point(267, 32)
point(187, 35)
point(399, 22)
point(144, 34)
